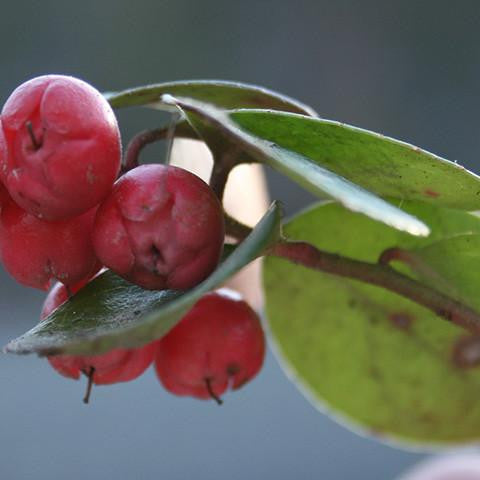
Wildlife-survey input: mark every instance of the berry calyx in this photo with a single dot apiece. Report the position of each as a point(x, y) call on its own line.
point(62, 147)
point(161, 227)
point(218, 344)
point(37, 253)
point(119, 365)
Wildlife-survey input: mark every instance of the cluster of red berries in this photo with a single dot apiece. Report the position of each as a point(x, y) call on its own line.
point(65, 214)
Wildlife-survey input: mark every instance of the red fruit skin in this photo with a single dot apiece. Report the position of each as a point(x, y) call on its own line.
point(161, 227)
point(220, 339)
point(3, 146)
point(36, 252)
point(120, 365)
point(79, 158)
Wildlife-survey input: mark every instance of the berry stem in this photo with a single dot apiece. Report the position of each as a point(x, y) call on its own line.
point(89, 375)
point(138, 143)
point(208, 383)
point(35, 143)
point(222, 166)
point(235, 228)
point(142, 139)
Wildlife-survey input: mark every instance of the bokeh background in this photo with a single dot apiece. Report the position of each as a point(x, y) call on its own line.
point(403, 68)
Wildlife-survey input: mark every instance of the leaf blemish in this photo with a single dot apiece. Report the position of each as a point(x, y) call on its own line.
point(431, 193)
point(466, 352)
point(401, 320)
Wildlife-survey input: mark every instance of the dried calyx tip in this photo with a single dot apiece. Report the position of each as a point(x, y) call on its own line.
point(208, 383)
point(89, 375)
point(35, 143)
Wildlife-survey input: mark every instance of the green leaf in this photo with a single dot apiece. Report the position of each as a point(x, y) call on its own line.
point(382, 165)
point(301, 169)
point(378, 362)
point(110, 312)
point(220, 93)
point(455, 263)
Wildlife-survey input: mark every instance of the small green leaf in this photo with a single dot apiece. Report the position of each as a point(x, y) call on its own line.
point(387, 167)
point(375, 360)
point(301, 169)
point(111, 313)
point(220, 93)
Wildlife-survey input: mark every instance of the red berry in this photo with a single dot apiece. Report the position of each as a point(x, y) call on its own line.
point(36, 252)
point(63, 147)
point(218, 344)
point(3, 145)
point(119, 365)
point(161, 227)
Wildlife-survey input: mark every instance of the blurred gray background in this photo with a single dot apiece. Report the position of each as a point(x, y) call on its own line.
point(407, 69)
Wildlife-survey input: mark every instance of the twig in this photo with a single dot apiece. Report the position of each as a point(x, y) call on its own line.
point(223, 164)
point(138, 143)
point(379, 274)
point(383, 276)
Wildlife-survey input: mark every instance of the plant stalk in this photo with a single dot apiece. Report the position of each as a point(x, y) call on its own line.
point(379, 274)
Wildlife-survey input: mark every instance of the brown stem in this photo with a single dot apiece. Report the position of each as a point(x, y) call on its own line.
point(395, 253)
point(381, 275)
point(138, 143)
point(222, 166)
point(415, 263)
point(208, 383)
point(236, 229)
point(89, 375)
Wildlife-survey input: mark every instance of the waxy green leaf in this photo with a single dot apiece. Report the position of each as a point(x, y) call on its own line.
point(379, 362)
point(111, 313)
point(382, 165)
point(221, 93)
point(307, 173)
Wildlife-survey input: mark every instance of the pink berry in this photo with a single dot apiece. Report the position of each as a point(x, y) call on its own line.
point(36, 252)
point(218, 344)
point(161, 227)
point(63, 147)
point(119, 365)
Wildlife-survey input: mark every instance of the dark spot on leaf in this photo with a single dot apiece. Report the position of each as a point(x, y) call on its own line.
point(431, 193)
point(374, 373)
point(466, 352)
point(137, 312)
point(401, 320)
point(259, 100)
point(427, 417)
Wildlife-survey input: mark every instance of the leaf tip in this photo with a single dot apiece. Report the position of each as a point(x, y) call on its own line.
point(168, 99)
point(418, 228)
